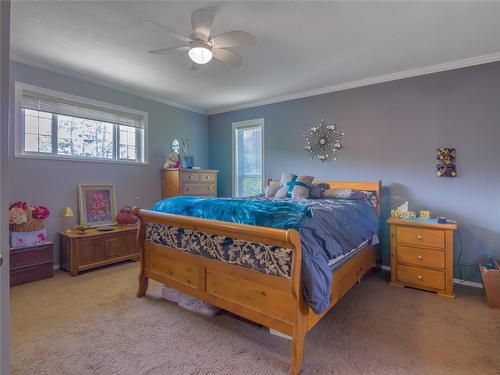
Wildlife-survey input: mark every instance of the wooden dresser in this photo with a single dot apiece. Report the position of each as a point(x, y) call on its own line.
point(200, 182)
point(80, 252)
point(422, 255)
point(31, 263)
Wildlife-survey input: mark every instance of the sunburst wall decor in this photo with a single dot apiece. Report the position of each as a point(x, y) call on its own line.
point(323, 141)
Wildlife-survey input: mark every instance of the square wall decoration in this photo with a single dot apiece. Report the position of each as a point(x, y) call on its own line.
point(445, 164)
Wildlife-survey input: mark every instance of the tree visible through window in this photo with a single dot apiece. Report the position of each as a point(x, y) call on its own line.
point(248, 158)
point(51, 125)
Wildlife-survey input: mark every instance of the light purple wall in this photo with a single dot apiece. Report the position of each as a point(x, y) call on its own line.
point(53, 182)
point(392, 131)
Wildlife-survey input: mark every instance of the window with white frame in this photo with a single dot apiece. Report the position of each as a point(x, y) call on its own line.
point(58, 125)
point(248, 157)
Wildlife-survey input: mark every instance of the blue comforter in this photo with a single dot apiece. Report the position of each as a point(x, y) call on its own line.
point(328, 229)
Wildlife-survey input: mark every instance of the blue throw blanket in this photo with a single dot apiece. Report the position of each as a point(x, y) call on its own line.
point(328, 229)
point(265, 213)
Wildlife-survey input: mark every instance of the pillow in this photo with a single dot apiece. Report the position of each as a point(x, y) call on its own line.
point(271, 189)
point(342, 193)
point(316, 190)
point(293, 186)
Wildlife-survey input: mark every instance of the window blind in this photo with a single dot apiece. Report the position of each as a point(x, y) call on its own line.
point(39, 102)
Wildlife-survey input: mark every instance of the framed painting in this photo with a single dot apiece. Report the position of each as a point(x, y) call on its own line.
point(97, 204)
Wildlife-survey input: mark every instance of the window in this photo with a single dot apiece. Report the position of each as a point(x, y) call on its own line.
point(248, 157)
point(51, 124)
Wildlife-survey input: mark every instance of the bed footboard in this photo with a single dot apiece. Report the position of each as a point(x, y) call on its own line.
point(251, 271)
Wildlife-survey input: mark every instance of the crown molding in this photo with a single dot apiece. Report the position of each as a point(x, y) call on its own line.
point(103, 82)
point(464, 63)
point(484, 59)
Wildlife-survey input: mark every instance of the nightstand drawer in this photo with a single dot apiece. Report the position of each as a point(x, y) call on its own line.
point(420, 237)
point(421, 277)
point(421, 257)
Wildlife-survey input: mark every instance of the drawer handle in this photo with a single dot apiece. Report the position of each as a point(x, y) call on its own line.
point(420, 277)
point(209, 188)
point(190, 176)
point(420, 257)
point(188, 189)
point(207, 177)
point(419, 237)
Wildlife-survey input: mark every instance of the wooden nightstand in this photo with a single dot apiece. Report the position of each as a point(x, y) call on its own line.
point(81, 252)
point(422, 255)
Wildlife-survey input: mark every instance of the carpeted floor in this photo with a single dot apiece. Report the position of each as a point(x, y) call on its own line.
point(94, 324)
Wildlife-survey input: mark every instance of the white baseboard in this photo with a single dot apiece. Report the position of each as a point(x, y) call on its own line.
point(455, 281)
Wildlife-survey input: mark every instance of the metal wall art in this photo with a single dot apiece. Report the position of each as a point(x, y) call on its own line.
point(323, 141)
point(446, 162)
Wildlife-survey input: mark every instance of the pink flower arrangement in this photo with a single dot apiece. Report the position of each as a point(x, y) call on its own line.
point(19, 212)
point(40, 212)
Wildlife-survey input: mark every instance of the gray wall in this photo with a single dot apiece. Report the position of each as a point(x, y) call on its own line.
point(392, 131)
point(53, 182)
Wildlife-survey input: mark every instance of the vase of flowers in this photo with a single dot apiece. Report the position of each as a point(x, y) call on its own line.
point(24, 217)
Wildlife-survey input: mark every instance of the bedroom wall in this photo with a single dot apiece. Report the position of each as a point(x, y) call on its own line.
point(53, 182)
point(392, 131)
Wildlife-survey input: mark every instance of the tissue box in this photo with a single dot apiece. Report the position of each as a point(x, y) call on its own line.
point(24, 239)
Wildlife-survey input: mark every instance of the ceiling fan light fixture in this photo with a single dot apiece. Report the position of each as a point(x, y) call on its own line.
point(200, 54)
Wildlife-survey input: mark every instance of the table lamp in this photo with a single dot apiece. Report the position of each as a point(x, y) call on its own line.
point(68, 214)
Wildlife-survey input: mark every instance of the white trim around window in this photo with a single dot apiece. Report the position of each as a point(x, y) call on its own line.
point(125, 117)
point(247, 124)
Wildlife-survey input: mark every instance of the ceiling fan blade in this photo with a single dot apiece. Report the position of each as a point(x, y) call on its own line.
point(165, 51)
point(202, 21)
point(234, 39)
point(171, 33)
point(195, 66)
point(227, 56)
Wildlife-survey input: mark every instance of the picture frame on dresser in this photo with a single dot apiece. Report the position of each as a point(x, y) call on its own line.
point(97, 204)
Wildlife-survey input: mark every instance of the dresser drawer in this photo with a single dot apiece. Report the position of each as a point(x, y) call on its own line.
point(30, 256)
point(420, 237)
point(420, 277)
point(190, 177)
point(421, 257)
point(198, 189)
point(207, 177)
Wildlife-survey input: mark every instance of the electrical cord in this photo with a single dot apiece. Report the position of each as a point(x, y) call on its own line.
point(459, 265)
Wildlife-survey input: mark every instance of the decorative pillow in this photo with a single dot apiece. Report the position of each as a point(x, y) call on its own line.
point(271, 189)
point(293, 186)
point(316, 190)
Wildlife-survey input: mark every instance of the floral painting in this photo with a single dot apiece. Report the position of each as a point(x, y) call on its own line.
point(97, 204)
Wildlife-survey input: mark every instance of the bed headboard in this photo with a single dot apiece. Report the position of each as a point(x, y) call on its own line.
point(374, 186)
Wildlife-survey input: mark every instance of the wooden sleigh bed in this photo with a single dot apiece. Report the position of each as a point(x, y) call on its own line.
point(272, 300)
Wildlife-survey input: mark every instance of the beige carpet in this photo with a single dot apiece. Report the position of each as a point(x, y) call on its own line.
point(94, 324)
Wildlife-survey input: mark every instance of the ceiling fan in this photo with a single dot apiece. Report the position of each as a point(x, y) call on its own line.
point(201, 46)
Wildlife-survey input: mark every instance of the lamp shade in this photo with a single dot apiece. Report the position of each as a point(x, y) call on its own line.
point(68, 212)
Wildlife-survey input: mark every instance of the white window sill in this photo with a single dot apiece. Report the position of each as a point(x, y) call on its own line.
point(79, 159)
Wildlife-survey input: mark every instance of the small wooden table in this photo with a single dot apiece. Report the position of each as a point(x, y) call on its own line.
point(80, 252)
point(422, 255)
point(31, 263)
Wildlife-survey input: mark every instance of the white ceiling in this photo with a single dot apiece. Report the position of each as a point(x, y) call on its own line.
point(301, 46)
